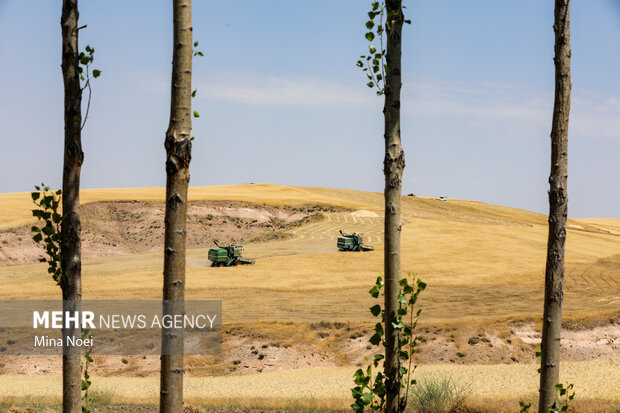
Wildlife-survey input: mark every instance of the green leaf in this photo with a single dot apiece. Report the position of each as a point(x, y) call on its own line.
point(375, 310)
point(399, 325)
point(192, 138)
point(35, 195)
point(370, 36)
point(194, 93)
point(367, 397)
point(370, 84)
point(421, 285)
point(38, 237)
point(195, 43)
point(379, 329)
point(374, 291)
point(372, 49)
point(359, 373)
point(196, 114)
point(370, 24)
point(358, 64)
point(96, 73)
point(375, 5)
point(375, 339)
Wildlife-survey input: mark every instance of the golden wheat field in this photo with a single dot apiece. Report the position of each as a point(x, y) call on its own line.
point(327, 387)
point(481, 262)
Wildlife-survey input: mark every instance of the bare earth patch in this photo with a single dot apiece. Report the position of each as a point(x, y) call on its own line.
point(268, 347)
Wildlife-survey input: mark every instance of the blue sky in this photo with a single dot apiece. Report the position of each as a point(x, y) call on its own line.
point(281, 100)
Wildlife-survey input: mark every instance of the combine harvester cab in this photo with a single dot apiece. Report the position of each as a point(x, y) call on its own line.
point(227, 256)
point(352, 242)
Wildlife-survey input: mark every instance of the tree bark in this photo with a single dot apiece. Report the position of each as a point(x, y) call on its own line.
point(558, 203)
point(71, 245)
point(178, 155)
point(393, 166)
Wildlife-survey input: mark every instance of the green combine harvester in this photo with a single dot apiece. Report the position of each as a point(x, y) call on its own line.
point(227, 256)
point(352, 242)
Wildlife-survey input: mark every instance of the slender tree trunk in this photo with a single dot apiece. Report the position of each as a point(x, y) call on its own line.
point(71, 245)
point(393, 166)
point(558, 203)
point(178, 156)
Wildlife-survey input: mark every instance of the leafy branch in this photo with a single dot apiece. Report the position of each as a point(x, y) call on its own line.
point(370, 389)
point(86, 58)
point(565, 394)
point(374, 63)
point(48, 204)
point(47, 209)
point(86, 382)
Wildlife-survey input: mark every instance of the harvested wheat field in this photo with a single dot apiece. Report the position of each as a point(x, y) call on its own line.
point(304, 305)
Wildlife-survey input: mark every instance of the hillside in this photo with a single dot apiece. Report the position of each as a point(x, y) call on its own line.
point(480, 260)
point(302, 310)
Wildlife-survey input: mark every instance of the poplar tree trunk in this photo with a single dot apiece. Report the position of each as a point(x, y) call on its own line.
point(71, 245)
point(393, 166)
point(558, 203)
point(178, 156)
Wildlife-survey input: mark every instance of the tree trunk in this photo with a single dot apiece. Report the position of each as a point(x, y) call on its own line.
point(393, 166)
point(71, 245)
point(178, 156)
point(558, 203)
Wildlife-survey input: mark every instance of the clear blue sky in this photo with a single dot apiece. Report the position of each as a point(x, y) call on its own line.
point(281, 100)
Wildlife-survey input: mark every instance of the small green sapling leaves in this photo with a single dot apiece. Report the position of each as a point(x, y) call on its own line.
point(370, 388)
point(47, 212)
